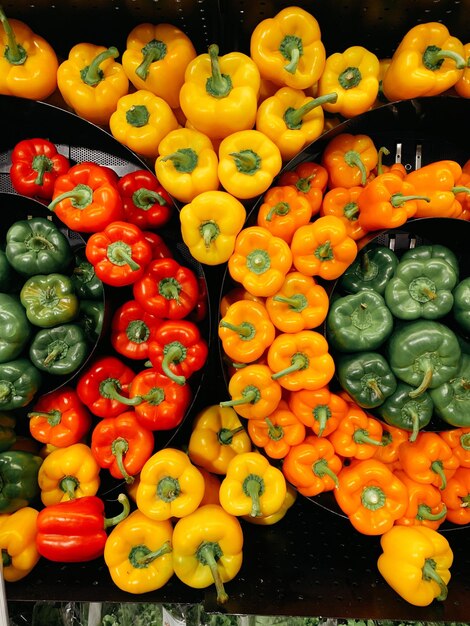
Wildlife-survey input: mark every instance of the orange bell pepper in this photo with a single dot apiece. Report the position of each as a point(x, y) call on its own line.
point(392, 438)
point(312, 466)
point(358, 434)
point(309, 178)
point(235, 294)
point(211, 487)
point(254, 393)
point(342, 202)
point(459, 441)
point(323, 248)
point(462, 86)
point(456, 497)
point(300, 304)
point(371, 496)
point(301, 360)
point(277, 432)
point(349, 159)
point(438, 181)
point(320, 409)
point(283, 210)
point(463, 196)
point(425, 505)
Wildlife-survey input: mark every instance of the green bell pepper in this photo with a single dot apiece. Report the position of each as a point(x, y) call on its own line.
point(49, 300)
point(87, 284)
point(19, 382)
point(37, 246)
point(7, 431)
point(452, 398)
point(372, 269)
point(91, 319)
point(366, 377)
point(18, 479)
point(421, 289)
point(407, 413)
point(461, 308)
point(435, 251)
point(424, 354)
point(358, 322)
point(6, 272)
point(15, 328)
point(59, 350)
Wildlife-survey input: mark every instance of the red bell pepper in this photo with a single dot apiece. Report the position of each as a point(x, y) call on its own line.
point(86, 198)
point(167, 289)
point(159, 248)
point(119, 253)
point(122, 445)
point(132, 330)
point(161, 403)
point(177, 349)
point(199, 312)
point(104, 385)
point(59, 418)
point(35, 165)
point(74, 531)
point(145, 202)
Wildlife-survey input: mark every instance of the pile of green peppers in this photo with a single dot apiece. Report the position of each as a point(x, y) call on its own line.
point(51, 309)
point(399, 328)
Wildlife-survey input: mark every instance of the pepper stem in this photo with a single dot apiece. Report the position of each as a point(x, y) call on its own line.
point(427, 378)
point(438, 468)
point(173, 353)
point(321, 414)
point(361, 436)
point(120, 253)
point(299, 361)
point(294, 117)
point(14, 52)
point(225, 435)
point(415, 425)
point(250, 395)
point(81, 196)
point(208, 554)
point(126, 507)
point(275, 432)
point(244, 330)
point(382, 150)
point(296, 302)
point(218, 85)
point(433, 57)
point(424, 513)
point(184, 160)
point(69, 484)
point(145, 199)
point(109, 389)
point(353, 159)
point(460, 189)
point(154, 50)
point(140, 556)
point(93, 74)
point(253, 487)
point(53, 417)
point(119, 447)
point(429, 573)
point(320, 468)
point(398, 199)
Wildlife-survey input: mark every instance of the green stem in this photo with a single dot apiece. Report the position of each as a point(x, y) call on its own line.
point(299, 361)
point(253, 487)
point(296, 302)
point(398, 199)
point(208, 554)
point(81, 196)
point(362, 436)
point(383, 150)
point(353, 159)
point(53, 417)
point(141, 557)
point(173, 353)
point(154, 50)
point(69, 485)
point(250, 395)
point(119, 447)
point(218, 85)
point(184, 160)
point(427, 379)
point(429, 573)
point(126, 507)
point(321, 468)
point(294, 117)
point(433, 57)
point(438, 468)
point(120, 253)
point(14, 53)
point(424, 513)
point(109, 389)
point(93, 74)
point(145, 199)
point(244, 330)
point(276, 433)
point(225, 435)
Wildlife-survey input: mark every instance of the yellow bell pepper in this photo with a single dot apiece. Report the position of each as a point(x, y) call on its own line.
point(208, 549)
point(269, 520)
point(28, 63)
point(18, 543)
point(248, 163)
point(210, 225)
point(217, 436)
point(138, 553)
point(462, 86)
point(219, 95)
point(416, 563)
point(354, 76)
point(427, 62)
point(252, 486)
point(288, 49)
point(91, 81)
point(170, 485)
point(68, 473)
point(187, 164)
point(291, 119)
point(141, 120)
point(155, 59)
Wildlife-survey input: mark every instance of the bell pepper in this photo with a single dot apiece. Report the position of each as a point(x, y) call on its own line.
point(49, 300)
point(7, 273)
point(145, 202)
point(424, 354)
point(459, 440)
point(187, 164)
point(372, 269)
point(371, 496)
point(217, 435)
point(37, 246)
point(358, 321)
point(74, 531)
point(59, 418)
point(91, 81)
point(122, 445)
point(60, 350)
point(19, 479)
point(155, 59)
point(292, 119)
point(427, 62)
point(357, 435)
point(160, 250)
point(91, 319)
point(132, 329)
point(283, 210)
point(301, 360)
point(392, 438)
point(415, 562)
point(252, 486)
point(462, 86)
point(18, 544)
point(207, 549)
point(248, 163)
point(28, 63)
point(366, 377)
point(342, 202)
point(403, 411)
point(104, 386)
point(138, 553)
point(211, 487)
point(278, 432)
point(260, 261)
point(167, 289)
point(425, 504)
point(219, 95)
point(170, 485)
point(87, 199)
point(141, 120)
point(460, 308)
point(321, 410)
point(310, 178)
point(288, 49)
point(269, 520)
point(160, 403)
point(246, 331)
point(456, 497)
point(349, 159)
point(323, 248)
point(253, 391)
point(210, 224)
point(35, 165)
point(429, 252)
point(353, 75)
point(234, 294)
point(87, 285)
point(15, 329)
point(429, 459)
point(19, 382)
point(7, 431)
